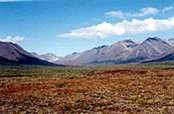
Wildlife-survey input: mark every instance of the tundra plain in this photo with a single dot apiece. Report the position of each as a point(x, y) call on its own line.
point(113, 89)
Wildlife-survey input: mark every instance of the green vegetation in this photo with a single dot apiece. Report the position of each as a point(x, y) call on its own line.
point(27, 70)
point(107, 89)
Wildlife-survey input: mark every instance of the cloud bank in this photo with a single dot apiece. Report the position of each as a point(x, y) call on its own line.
point(169, 8)
point(15, 39)
point(142, 12)
point(125, 27)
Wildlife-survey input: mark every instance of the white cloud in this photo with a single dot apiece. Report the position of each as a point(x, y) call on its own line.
point(142, 12)
point(125, 27)
point(169, 8)
point(115, 14)
point(15, 39)
point(145, 12)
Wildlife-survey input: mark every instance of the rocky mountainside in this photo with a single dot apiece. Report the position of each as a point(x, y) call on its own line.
point(107, 54)
point(171, 41)
point(13, 54)
point(152, 49)
point(167, 56)
point(149, 49)
point(122, 52)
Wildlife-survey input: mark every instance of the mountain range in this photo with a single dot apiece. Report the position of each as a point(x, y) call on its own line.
point(153, 49)
point(13, 54)
point(123, 52)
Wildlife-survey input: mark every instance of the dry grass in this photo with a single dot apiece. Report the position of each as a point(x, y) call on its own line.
point(138, 90)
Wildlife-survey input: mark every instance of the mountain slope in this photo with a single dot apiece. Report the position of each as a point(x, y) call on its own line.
point(13, 54)
point(171, 41)
point(149, 49)
point(50, 57)
point(167, 56)
point(98, 55)
point(122, 52)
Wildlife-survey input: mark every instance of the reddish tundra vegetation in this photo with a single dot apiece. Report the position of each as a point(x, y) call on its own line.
point(134, 90)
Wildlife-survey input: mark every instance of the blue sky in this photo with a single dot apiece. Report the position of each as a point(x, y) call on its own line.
point(65, 26)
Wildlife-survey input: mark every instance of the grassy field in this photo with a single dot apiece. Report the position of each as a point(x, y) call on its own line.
point(143, 89)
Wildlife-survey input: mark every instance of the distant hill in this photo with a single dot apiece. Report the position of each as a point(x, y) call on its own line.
point(122, 52)
point(152, 49)
point(50, 57)
point(98, 55)
point(149, 49)
point(14, 54)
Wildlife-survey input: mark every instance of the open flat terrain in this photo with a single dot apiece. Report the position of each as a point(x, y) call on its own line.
point(117, 89)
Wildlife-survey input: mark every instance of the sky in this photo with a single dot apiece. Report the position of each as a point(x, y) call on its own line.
point(66, 26)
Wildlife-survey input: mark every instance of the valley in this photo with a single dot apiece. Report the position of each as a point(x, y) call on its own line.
point(87, 57)
point(111, 89)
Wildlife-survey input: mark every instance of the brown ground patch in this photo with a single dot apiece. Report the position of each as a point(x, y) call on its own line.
point(104, 91)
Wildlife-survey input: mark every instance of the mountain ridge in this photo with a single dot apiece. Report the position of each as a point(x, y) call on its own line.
point(13, 54)
point(152, 49)
point(121, 52)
